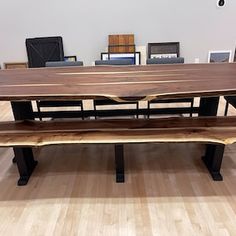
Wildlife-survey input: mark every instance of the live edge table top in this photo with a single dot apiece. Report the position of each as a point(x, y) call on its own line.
point(120, 83)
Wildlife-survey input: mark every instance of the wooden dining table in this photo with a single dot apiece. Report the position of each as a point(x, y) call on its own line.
point(118, 83)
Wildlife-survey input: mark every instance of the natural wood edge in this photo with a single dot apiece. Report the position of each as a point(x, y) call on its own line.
point(221, 130)
point(99, 137)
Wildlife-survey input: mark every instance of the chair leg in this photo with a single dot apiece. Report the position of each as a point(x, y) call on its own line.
point(39, 111)
point(137, 108)
point(82, 110)
point(148, 110)
point(226, 108)
point(191, 111)
point(95, 110)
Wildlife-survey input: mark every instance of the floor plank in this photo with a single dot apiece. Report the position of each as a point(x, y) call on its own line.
point(168, 191)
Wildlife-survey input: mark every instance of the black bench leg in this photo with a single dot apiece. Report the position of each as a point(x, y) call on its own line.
point(119, 161)
point(25, 163)
point(214, 153)
point(213, 159)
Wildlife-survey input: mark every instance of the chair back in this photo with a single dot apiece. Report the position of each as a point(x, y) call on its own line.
point(172, 60)
point(41, 50)
point(63, 63)
point(115, 62)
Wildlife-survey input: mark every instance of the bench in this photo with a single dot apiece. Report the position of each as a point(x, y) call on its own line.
point(216, 131)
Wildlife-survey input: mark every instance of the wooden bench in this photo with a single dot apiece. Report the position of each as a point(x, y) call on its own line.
point(219, 131)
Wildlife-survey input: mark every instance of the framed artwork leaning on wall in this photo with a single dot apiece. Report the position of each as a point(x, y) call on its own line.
point(235, 55)
point(163, 50)
point(15, 65)
point(220, 56)
point(134, 56)
point(70, 58)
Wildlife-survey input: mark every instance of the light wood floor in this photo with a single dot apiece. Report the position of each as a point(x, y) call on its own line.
point(73, 192)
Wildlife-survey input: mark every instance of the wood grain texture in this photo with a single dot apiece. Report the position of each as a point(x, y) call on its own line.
point(121, 43)
point(119, 83)
point(34, 133)
point(15, 65)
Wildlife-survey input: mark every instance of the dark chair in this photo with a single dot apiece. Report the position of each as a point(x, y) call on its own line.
point(178, 110)
point(42, 50)
point(230, 99)
point(49, 50)
point(61, 114)
point(106, 102)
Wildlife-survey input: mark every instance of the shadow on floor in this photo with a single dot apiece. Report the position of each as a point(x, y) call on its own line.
point(87, 171)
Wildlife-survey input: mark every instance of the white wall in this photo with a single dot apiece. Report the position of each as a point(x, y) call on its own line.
point(198, 25)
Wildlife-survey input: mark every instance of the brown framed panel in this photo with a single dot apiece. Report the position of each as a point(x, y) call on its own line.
point(121, 43)
point(166, 49)
point(15, 65)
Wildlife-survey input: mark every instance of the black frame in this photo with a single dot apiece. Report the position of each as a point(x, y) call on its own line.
point(235, 55)
point(131, 53)
point(165, 45)
point(66, 58)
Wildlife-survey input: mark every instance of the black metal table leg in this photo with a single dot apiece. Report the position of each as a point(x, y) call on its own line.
point(214, 153)
point(119, 161)
point(208, 106)
point(23, 156)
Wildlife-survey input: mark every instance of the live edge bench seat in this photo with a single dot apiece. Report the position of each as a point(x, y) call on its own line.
point(221, 130)
point(211, 130)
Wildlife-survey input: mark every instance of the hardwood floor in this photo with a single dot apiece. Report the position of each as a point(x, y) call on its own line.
point(168, 191)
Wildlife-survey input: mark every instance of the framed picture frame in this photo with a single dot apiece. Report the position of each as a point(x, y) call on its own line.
point(235, 56)
point(15, 65)
point(135, 56)
point(220, 56)
point(163, 50)
point(70, 58)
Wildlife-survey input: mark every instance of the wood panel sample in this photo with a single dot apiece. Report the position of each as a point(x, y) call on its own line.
point(15, 65)
point(121, 43)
